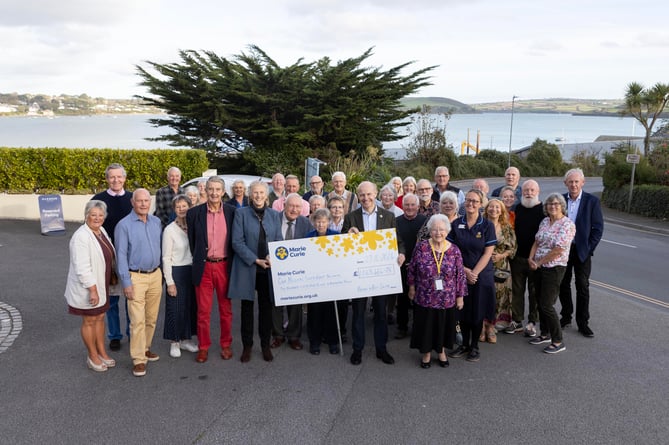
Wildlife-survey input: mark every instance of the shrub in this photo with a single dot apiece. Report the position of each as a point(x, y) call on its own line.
point(76, 171)
point(647, 200)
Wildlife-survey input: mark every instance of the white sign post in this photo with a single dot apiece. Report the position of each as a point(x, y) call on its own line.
point(634, 160)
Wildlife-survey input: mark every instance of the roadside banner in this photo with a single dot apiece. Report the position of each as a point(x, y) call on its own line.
point(335, 267)
point(51, 215)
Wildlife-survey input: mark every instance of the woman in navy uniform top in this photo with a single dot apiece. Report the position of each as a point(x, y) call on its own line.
point(476, 239)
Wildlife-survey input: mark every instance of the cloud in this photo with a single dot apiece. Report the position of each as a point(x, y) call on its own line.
point(19, 13)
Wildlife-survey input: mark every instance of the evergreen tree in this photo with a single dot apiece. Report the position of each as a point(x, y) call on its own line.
point(274, 115)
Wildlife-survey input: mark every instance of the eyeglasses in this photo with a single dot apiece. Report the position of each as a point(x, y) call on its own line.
point(472, 201)
point(315, 182)
point(552, 204)
point(426, 189)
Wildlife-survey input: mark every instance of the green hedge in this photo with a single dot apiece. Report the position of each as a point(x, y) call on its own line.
point(647, 200)
point(81, 171)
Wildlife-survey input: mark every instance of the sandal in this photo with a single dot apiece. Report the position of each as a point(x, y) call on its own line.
point(482, 337)
point(492, 337)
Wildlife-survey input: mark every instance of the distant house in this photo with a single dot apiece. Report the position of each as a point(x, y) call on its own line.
point(33, 109)
point(6, 108)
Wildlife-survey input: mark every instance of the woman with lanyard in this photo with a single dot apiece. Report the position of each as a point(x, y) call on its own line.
point(437, 285)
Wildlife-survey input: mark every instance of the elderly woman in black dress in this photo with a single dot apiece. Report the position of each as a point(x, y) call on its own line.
point(437, 285)
point(89, 276)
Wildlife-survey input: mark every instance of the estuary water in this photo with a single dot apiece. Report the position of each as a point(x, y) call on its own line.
point(131, 131)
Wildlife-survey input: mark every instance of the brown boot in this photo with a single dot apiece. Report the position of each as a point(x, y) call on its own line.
point(246, 354)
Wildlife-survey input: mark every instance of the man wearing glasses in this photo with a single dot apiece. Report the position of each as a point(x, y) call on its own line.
point(441, 178)
point(428, 206)
point(316, 188)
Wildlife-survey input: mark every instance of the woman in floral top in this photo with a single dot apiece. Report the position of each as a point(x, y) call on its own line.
point(437, 285)
point(549, 256)
point(496, 212)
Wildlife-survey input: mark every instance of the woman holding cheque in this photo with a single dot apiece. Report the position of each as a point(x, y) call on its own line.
point(437, 284)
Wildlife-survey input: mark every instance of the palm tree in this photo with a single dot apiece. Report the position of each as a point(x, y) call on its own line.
point(646, 105)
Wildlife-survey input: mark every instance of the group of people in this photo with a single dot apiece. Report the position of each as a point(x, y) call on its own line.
point(466, 260)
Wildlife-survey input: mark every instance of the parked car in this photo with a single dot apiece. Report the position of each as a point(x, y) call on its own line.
point(229, 179)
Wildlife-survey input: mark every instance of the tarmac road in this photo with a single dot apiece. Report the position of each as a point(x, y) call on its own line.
point(609, 389)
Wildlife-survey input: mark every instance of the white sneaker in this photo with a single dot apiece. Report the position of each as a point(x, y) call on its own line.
point(174, 350)
point(188, 345)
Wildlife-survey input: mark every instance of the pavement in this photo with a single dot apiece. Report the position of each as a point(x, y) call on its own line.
point(606, 390)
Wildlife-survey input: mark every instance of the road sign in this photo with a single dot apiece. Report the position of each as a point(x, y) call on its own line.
point(633, 159)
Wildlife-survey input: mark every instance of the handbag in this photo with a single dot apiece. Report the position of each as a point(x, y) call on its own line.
point(501, 275)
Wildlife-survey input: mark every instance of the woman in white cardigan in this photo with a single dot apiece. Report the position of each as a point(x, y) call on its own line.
point(89, 276)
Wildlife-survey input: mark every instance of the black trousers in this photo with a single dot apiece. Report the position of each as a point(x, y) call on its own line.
point(403, 303)
point(581, 273)
point(547, 281)
point(264, 313)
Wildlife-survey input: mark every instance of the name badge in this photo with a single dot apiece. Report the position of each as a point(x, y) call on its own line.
point(438, 284)
point(461, 226)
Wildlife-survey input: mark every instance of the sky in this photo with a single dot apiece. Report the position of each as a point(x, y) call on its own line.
point(486, 50)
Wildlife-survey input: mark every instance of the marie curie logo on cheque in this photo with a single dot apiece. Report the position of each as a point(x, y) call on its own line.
point(283, 252)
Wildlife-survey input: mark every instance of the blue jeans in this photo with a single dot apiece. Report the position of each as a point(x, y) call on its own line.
point(380, 323)
point(113, 320)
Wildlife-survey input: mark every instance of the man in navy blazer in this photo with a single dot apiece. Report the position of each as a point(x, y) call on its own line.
point(586, 212)
point(371, 217)
point(293, 226)
point(212, 260)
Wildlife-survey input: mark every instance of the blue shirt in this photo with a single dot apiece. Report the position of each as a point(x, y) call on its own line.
point(137, 245)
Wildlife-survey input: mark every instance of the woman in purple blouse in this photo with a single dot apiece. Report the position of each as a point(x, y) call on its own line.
point(437, 285)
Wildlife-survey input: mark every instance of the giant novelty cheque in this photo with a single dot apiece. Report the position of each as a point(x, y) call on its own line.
point(335, 267)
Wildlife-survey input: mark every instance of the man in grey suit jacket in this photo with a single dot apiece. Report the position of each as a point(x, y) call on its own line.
point(370, 217)
point(293, 226)
point(586, 212)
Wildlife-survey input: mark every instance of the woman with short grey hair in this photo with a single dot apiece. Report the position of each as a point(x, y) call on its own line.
point(89, 278)
point(548, 258)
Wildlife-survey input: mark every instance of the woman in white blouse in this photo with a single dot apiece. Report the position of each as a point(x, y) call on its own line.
point(89, 277)
point(180, 306)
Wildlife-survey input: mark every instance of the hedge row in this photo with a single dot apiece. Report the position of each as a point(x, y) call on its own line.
point(647, 200)
point(81, 171)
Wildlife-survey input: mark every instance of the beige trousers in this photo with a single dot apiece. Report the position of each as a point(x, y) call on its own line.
point(143, 311)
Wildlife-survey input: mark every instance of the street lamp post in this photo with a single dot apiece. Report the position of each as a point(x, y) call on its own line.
point(513, 102)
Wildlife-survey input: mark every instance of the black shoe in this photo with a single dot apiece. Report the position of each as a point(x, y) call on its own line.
point(401, 333)
point(334, 349)
point(444, 364)
point(385, 357)
point(473, 356)
point(586, 332)
point(344, 338)
point(115, 345)
point(565, 323)
point(425, 365)
point(356, 357)
point(315, 351)
point(460, 351)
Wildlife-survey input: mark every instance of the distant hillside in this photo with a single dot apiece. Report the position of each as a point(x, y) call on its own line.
point(599, 107)
point(556, 105)
point(438, 104)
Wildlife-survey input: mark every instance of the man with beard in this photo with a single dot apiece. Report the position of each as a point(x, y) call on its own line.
point(427, 205)
point(529, 214)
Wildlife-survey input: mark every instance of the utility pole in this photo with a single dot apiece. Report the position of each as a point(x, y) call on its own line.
point(513, 102)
